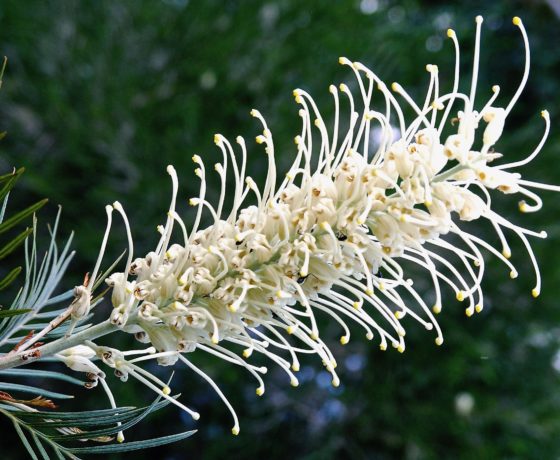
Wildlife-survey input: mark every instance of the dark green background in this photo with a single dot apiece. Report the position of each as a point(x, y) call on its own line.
point(99, 96)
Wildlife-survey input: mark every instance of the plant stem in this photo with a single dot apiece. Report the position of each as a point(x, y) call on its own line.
point(63, 343)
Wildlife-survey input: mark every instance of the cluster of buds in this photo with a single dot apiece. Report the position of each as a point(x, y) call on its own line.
point(365, 199)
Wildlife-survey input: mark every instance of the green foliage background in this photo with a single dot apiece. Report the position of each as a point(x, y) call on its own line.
point(99, 96)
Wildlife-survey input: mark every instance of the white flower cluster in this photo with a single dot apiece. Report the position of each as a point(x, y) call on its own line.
point(363, 200)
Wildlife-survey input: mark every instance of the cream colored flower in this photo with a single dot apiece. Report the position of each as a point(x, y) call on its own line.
point(335, 235)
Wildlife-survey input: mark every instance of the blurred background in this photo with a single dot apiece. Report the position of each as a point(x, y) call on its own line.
point(99, 96)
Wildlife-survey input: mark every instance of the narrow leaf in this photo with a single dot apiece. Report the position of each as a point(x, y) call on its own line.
point(42, 374)
point(9, 278)
point(25, 441)
point(9, 223)
point(135, 445)
point(33, 390)
point(16, 312)
point(12, 245)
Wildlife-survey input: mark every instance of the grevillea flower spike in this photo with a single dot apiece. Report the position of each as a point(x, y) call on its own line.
point(334, 235)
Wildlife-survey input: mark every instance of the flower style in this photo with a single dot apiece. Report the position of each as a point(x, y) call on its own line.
point(333, 236)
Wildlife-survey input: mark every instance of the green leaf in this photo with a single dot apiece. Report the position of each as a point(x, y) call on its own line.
point(10, 179)
point(15, 219)
point(9, 278)
point(75, 417)
point(16, 312)
point(42, 374)
point(8, 248)
point(18, 172)
point(82, 419)
point(33, 390)
point(129, 446)
point(25, 441)
point(110, 430)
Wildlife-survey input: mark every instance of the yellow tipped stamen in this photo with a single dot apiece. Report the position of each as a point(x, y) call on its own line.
point(460, 296)
point(166, 390)
point(259, 391)
point(535, 293)
point(439, 341)
point(478, 307)
point(344, 340)
point(516, 21)
point(451, 33)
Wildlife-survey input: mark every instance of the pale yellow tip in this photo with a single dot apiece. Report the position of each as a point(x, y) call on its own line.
point(344, 340)
point(290, 330)
point(478, 308)
point(535, 293)
point(513, 274)
point(439, 341)
point(294, 382)
point(516, 21)
point(260, 391)
point(479, 19)
point(450, 33)
point(217, 139)
point(383, 346)
point(544, 113)
point(506, 254)
point(460, 296)
point(436, 309)
point(335, 383)
point(395, 86)
point(369, 292)
point(469, 311)
point(400, 349)
point(166, 390)
point(235, 431)
point(295, 367)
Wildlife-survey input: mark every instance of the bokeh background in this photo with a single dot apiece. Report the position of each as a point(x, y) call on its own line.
point(99, 96)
